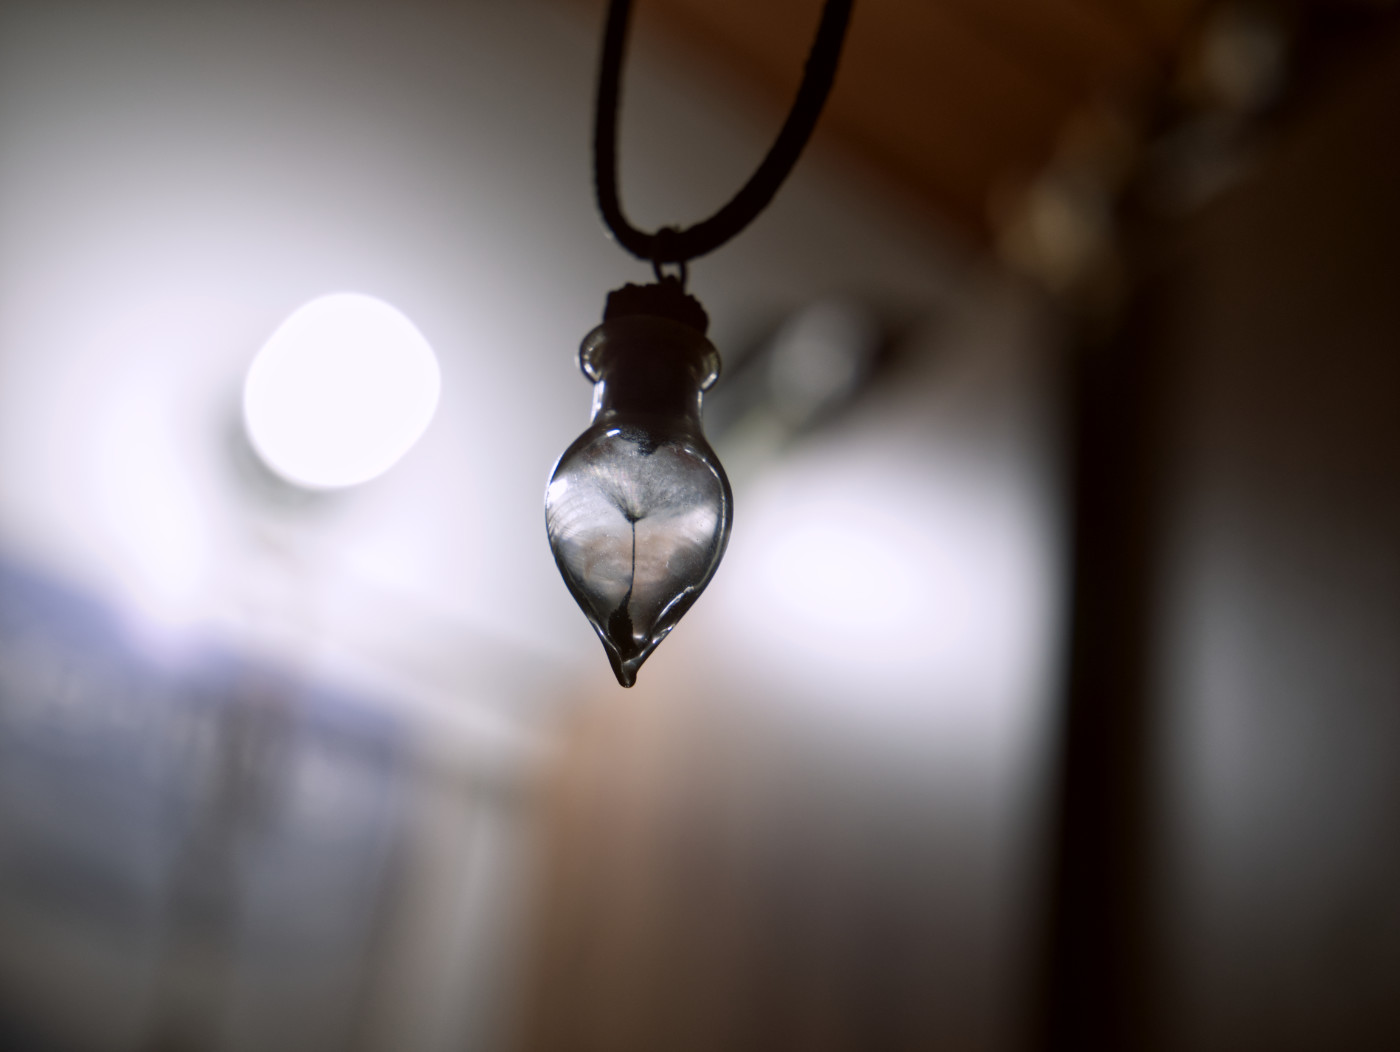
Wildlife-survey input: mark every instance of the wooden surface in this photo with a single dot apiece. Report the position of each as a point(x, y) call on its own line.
point(952, 100)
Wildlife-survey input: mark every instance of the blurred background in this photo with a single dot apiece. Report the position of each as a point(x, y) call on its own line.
point(1049, 693)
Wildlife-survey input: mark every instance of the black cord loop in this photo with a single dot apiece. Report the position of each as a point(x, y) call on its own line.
point(669, 245)
point(680, 275)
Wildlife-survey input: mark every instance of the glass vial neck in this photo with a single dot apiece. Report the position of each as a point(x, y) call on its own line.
point(648, 366)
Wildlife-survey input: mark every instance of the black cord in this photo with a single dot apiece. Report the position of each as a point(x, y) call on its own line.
point(669, 245)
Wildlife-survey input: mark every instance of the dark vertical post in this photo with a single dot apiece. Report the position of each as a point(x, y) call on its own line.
point(1094, 955)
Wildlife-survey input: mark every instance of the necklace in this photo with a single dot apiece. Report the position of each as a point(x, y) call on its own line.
point(638, 509)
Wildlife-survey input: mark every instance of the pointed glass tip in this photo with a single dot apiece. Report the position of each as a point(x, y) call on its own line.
point(638, 509)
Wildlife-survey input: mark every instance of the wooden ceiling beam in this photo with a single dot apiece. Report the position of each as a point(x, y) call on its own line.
point(950, 99)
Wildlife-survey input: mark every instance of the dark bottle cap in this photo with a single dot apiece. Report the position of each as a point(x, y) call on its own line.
point(662, 299)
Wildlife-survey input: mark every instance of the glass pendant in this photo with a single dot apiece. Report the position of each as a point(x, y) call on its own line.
point(638, 509)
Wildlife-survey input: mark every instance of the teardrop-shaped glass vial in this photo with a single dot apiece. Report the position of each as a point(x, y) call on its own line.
point(638, 509)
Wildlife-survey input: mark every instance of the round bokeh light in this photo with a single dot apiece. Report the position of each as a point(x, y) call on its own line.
point(341, 391)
